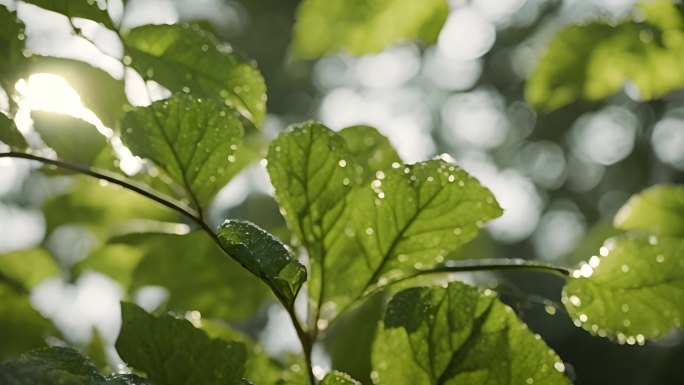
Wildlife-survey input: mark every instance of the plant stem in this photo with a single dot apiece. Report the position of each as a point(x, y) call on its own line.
point(304, 337)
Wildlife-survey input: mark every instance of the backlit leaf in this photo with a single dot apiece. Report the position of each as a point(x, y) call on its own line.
point(99, 91)
point(359, 234)
point(9, 134)
point(73, 139)
point(459, 335)
point(364, 26)
point(184, 58)
point(659, 210)
point(595, 61)
point(28, 267)
point(194, 141)
point(86, 9)
point(21, 326)
point(633, 292)
point(173, 352)
point(264, 256)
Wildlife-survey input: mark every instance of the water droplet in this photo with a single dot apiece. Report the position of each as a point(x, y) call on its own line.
point(457, 231)
point(626, 322)
point(204, 47)
point(369, 231)
point(381, 195)
point(430, 179)
point(624, 268)
point(550, 309)
point(451, 178)
point(529, 380)
point(322, 324)
point(231, 158)
point(127, 60)
point(376, 184)
point(129, 130)
point(603, 251)
point(380, 175)
point(345, 181)
point(559, 366)
point(652, 240)
point(396, 165)
point(342, 163)
point(594, 261)
point(624, 308)
point(583, 318)
point(575, 301)
point(660, 258)
point(461, 183)
point(149, 72)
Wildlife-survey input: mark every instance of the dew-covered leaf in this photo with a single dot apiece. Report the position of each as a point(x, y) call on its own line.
point(364, 26)
point(459, 335)
point(98, 90)
point(73, 139)
point(362, 233)
point(184, 58)
point(264, 256)
point(85, 9)
point(59, 366)
point(634, 291)
point(338, 378)
point(9, 134)
point(197, 274)
point(658, 210)
point(173, 352)
point(194, 141)
point(594, 61)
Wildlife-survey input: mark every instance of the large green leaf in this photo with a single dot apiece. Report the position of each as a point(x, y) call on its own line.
point(338, 378)
point(194, 141)
point(371, 150)
point(264, 256)
point(12, 48)
point(364, 233)
point(85, 9)
point(633, 292)
point(99, 91)
point(9, 134)
point(364, 26)
point(594, 61)
point(659, 210)
point(59, 366)
point(198, 275)
point(184, 58)
point(73, 139)
point(459, 335)
point(173, 352)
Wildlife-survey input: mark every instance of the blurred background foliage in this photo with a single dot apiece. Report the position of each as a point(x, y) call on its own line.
point(563, 109)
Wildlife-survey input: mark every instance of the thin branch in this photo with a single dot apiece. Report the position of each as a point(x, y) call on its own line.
point(128, 184)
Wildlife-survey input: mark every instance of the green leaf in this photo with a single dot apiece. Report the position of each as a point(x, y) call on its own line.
point(633, 292)
point(198, 275)
point(73, 139)
point(194, 141)
point(12, 48)
point(659, 210)
point(58, 366)
point(362, 234)
point(264, 256)
point(338, 378)
point(99, 91)
point(85, 9)
point(21, 326)
point(10, 135)
point(173, 352)
point(28, 267)
point(594, 61)
point(459, 335)
point(364, 26)
point(184, 58)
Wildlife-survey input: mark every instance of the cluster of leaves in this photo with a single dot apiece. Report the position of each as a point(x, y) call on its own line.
point(363, 218)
